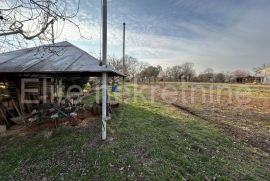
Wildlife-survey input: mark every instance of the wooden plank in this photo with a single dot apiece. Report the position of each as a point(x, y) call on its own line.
point(3, 115)
point(21, 119)
point(19, 100)
point(16, 107)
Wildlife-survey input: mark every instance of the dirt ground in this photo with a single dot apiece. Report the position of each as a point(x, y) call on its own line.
point(241, 111)
point(85, 119)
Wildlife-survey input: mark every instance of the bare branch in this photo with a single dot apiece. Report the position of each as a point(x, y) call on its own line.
point(22, 20)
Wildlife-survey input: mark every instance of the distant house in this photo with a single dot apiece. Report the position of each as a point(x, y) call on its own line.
point(264, 74)
point(249, 80)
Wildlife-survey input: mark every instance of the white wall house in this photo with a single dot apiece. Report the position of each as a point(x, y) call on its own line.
point(265, 74)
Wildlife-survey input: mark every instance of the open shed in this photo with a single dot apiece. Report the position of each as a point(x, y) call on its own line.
point(26, 69)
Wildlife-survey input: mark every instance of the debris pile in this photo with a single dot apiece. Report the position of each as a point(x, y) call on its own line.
point(46, 112)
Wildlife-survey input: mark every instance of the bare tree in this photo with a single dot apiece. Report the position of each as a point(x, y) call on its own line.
point(167, 74)
point(238, 74)
point(176, 72)
point(179, 72)
point(220, 77)
point(116, 63)
point(208, 74)
point(22, 20)
point(151, 72)
point(209, 71)
point(188, 71)
point(132, 67)
point(143, 65)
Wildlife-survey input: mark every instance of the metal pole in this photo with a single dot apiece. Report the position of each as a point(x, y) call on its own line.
point(124, 61)
point(124, 48)
point(104, 63)
point(53, 33)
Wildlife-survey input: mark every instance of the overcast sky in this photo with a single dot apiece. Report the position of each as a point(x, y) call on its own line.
point(221, 34)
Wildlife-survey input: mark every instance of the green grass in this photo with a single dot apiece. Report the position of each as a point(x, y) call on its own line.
point(152, 141)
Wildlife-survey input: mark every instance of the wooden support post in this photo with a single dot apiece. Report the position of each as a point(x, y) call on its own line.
point(19, 100)
point(16, 107)
point(3, 115)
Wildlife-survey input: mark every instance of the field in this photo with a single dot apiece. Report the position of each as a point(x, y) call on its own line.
point(241, 111)
point(148, 140)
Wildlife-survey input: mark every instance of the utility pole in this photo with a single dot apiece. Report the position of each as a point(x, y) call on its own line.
point(124, 48)
point(124, 61)
point(104, 74)
point(53, 32)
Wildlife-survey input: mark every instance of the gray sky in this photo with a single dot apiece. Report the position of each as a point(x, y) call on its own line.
point(222, 34)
